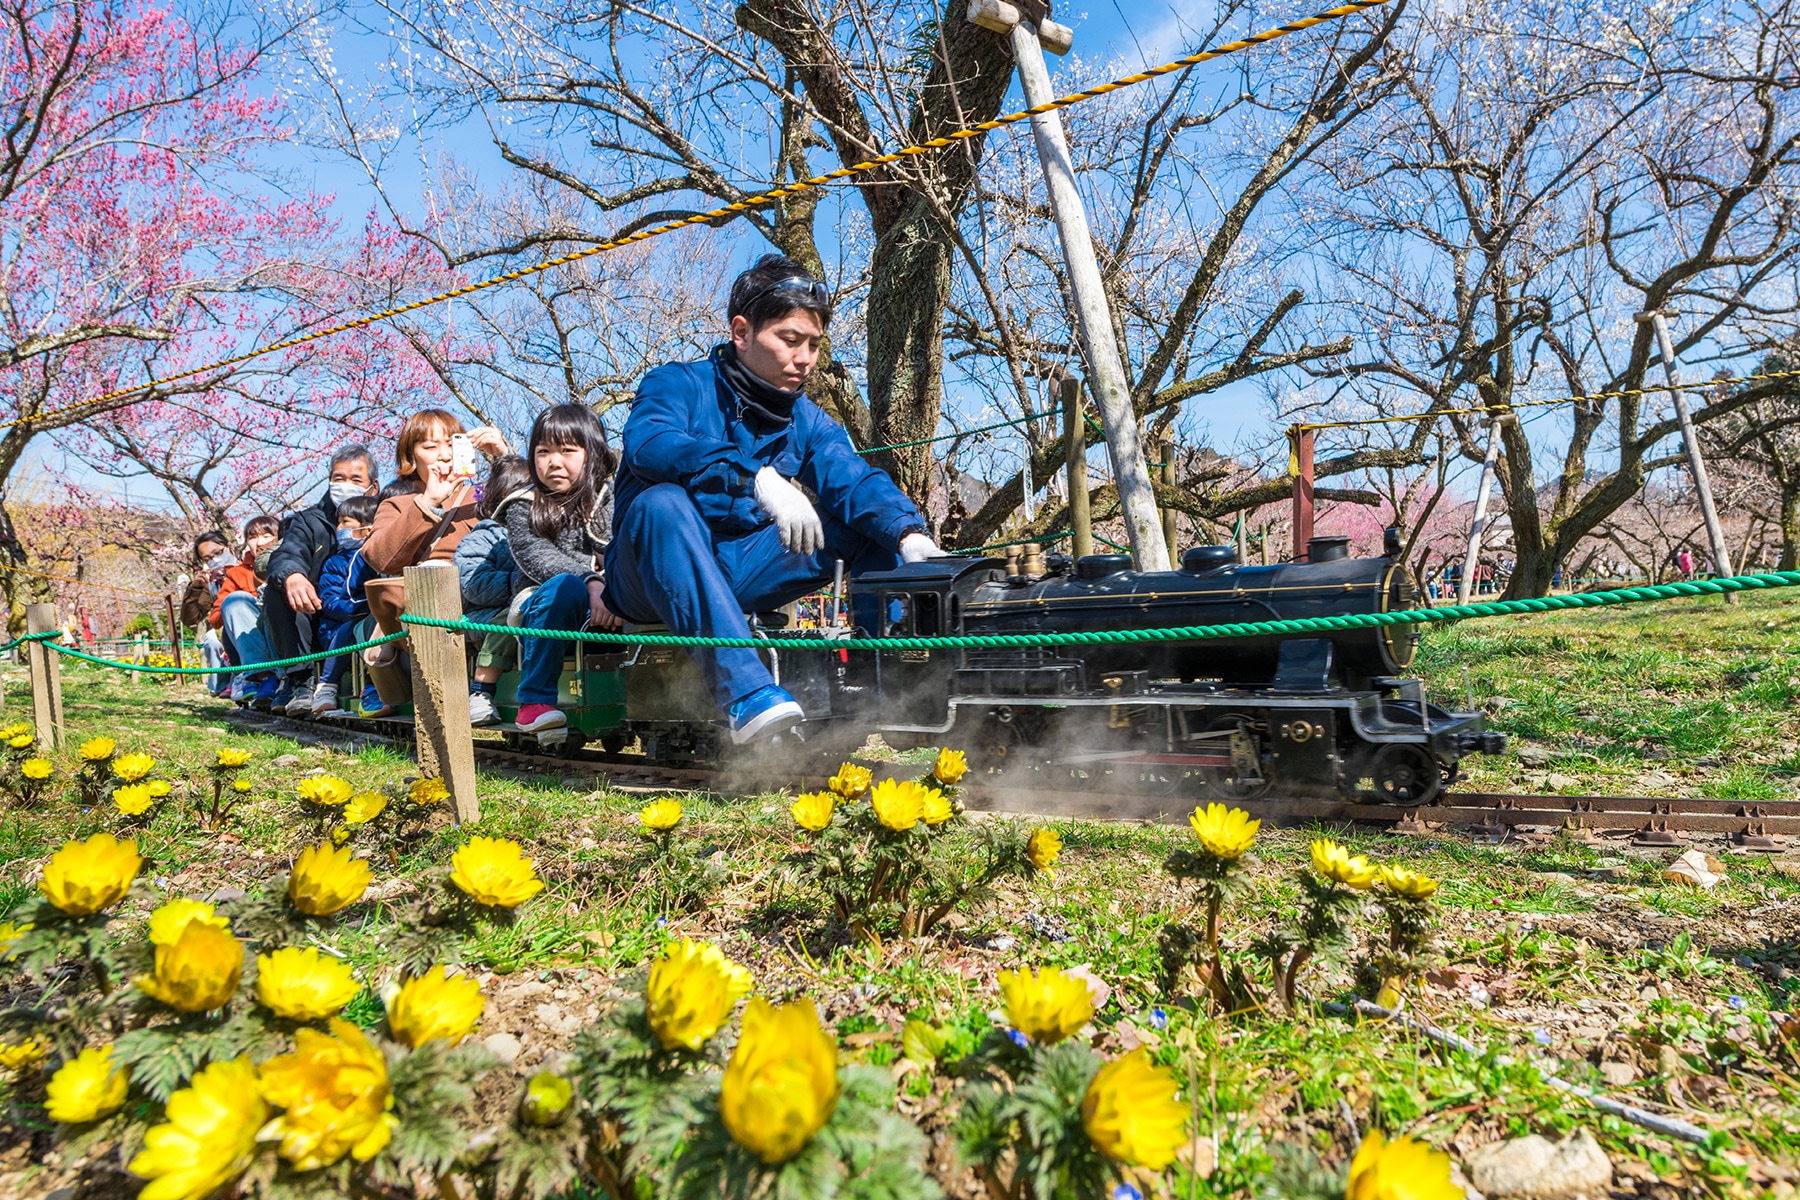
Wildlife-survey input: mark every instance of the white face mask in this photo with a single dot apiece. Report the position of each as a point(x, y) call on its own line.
point(341, 492)
point(221, 560)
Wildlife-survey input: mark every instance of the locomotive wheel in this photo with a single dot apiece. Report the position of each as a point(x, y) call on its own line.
point(1406, 774)
point(1222, 783)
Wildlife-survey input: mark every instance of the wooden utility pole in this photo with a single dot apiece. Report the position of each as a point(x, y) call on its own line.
point(1106, 368)
point(46, 676)
point(440, 679)
point(1472, 555)
point(1302, 470)
point(1690, 442)
point(1171, 535)
point(1081, 521)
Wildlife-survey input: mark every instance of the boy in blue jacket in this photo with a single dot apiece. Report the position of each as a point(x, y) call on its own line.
point(341, 602)
point(711, 519)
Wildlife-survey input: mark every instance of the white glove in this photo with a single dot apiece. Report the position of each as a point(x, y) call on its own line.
point(917, 547)
point(795, 517)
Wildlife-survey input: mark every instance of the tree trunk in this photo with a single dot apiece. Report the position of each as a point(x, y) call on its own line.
point(1790, 525)
point(909, 288)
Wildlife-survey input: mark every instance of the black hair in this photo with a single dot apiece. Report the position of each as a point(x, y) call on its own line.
point(569, 425)
point(360, 509)
point(760, 295)
point(508, 474)
point(262, 524)
point(211, 535)
point(351, 452)
point(397, 487)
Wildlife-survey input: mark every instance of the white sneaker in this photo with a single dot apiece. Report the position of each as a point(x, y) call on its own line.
point(325, 699)
point(301, 703)
point(481, 709)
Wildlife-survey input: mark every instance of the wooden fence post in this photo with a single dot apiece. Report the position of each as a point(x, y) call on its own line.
point(1302, 473)
point(1081, 524)
point(440, 684)
point(1170, 515)
point(46, 676)
point(174, 631)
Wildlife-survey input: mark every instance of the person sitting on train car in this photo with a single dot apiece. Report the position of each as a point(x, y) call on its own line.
point(340, 609)
point(420, 527)
point(308, 538)
point(490, 580)
point(714, 516)
point(212, 554)
point(559, 540)
point(237, 613)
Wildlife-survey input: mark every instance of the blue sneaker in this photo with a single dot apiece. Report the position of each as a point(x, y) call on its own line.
point(268, 690)
point(766, 710)
point(278, 699)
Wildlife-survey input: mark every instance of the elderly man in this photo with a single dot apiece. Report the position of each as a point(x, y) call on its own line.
point(714, 516)
point(308, 538)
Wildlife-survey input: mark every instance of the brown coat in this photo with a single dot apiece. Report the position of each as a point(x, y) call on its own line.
point(403, 532)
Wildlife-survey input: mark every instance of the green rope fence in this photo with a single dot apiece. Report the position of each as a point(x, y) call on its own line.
point(71, 652)
point(1190, 633)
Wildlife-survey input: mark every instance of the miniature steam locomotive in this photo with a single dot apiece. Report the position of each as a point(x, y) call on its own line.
point(1321, 715)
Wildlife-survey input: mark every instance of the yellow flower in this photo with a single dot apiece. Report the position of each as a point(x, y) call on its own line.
point(1047, 1008)
point(547, 1098)
point(10, 935)
point(133, 767)
point(133, 799)
point(242, 787)
point(691, 991)
point(364, 807)
point(661, 816)
point(158, 788)
point(495, 871)
point(1043, 848)
point(37, 768)
point(85, 877)
point(86, 1088)
point(231, 757)
point(1224, 833)
point(304, 985)
point(1399, 1170)
point(14, 1055)
point(781, 1084)
point(898, 804)
point(21, 741)
point(434, 1005)
point(98, 750)
point(426, 792)
point(169, 920)
point(327, 790)
point(935, 809)
point(1131, 1113)
point(1410, 884)
point(207, 1136)
point(950, 767)
point(198, 972)
point(851, 780)
point(335, 1091)
point(327, 878)
point(1338, 864)
point(812, 810)
point(14, 730)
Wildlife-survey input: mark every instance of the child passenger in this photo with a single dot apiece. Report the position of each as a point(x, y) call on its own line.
point(490, 579)
point(343, 605)
point(559, 540)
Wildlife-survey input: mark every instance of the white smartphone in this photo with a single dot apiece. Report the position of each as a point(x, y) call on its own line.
point(462, 456)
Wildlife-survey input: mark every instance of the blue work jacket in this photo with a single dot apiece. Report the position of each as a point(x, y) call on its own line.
point(687, 428)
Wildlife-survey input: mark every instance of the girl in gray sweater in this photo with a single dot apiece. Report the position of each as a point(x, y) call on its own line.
point(558, 540)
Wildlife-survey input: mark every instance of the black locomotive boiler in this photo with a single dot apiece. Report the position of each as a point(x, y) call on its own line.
point(1327, 714)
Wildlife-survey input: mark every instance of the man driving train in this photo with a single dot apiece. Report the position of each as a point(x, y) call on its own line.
point(737, 493)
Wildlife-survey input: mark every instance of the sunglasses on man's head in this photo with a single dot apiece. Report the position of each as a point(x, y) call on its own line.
point(800, 286)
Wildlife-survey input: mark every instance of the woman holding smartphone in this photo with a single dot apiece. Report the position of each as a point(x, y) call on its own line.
point(435, 456)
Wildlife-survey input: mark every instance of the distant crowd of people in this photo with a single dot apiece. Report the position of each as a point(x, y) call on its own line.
point(735, 494)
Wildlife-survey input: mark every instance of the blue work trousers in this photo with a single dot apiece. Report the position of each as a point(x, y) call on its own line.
point(666, 564)
point(561, 603)
point(336, 635)
point(239, 620)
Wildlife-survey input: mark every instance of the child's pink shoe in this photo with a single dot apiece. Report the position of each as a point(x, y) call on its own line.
point(535, 717)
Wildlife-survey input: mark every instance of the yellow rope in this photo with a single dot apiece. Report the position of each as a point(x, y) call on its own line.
point(729, 210)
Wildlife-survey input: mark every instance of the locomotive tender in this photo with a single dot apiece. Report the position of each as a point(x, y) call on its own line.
point(1326, 715)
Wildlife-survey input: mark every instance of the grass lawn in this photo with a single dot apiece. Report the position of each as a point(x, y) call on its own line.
point(1559, 957)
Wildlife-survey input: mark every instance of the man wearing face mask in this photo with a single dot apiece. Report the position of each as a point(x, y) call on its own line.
point(737, 493)
point(291, 599)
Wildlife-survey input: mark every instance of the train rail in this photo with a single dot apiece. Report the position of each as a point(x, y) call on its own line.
point(1766, 825)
